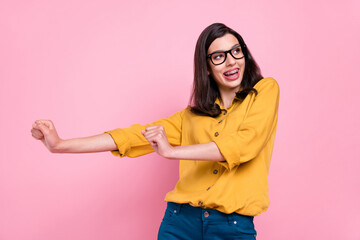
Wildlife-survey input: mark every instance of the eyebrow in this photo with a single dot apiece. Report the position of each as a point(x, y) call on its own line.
point(219, 51)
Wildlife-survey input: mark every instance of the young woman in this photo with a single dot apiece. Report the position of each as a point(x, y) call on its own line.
point(224, 140)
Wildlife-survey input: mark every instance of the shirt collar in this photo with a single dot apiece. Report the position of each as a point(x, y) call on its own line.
point(217, 100)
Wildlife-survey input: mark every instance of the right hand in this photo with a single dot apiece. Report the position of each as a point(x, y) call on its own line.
point(45, 131)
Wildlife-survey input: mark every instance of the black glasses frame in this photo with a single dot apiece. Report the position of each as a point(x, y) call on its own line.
point(225, 52)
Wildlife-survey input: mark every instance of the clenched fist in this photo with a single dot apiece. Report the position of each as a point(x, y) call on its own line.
point(157, 138)
point(45, 131)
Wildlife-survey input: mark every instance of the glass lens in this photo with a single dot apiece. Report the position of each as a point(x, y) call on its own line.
point(218, 58)
point(236, 52)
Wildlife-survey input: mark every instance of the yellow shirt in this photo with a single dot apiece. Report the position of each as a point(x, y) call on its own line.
point(244, 134)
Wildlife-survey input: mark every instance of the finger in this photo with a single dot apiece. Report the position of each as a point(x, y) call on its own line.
point(147, 134)
point(37, 134)
point(155, 130)
point(150, 131)
point(154, 127)
point(153, 144)
point(153, 135)
point(152, 141)
point(43, 127)
point(36, 137)
point(47, 123)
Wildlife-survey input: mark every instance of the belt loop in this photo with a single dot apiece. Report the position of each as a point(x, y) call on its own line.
point(230, 218)
point(179, 207)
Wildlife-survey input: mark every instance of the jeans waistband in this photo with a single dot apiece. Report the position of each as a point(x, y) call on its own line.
point(206, 214)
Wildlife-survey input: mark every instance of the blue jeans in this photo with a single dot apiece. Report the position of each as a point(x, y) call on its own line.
point(185, 222)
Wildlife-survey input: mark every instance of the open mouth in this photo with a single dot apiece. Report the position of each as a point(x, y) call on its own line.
point(231, 72)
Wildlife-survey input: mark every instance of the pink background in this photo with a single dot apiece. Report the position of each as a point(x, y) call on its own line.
point(92, 66)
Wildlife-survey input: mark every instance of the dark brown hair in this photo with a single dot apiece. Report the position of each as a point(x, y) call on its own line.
point(205, 91)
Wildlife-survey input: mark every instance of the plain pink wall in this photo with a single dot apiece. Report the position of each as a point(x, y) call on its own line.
point(92, 66)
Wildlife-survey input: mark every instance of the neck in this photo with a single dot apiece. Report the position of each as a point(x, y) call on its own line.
point(227, 97)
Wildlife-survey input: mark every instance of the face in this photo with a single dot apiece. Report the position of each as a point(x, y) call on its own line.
point(229, 74)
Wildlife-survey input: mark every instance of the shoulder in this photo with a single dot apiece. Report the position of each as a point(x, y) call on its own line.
point(268, 84)
point(184, 112)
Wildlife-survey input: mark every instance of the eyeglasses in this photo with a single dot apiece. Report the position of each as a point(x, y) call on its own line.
point(219, 57)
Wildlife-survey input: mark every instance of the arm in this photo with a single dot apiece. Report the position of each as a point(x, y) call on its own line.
point(131, 142)
point(204, 151)
point(44, 130)
point(257, 130)
point(237, 147)
point(157, 138)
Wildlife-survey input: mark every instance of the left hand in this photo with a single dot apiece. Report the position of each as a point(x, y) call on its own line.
point(157, 138)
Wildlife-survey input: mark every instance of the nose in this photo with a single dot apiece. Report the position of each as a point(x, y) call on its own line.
point(230, 60)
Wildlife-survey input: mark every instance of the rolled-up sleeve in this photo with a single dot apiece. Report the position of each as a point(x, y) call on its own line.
point(256, 129)
point(132, 143)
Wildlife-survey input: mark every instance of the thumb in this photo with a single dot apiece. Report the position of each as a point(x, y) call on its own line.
point(42, 127)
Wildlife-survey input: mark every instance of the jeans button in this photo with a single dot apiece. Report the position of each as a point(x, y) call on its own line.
point(206, 214)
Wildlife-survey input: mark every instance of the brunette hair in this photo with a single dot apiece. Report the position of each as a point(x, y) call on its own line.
point(205, 91)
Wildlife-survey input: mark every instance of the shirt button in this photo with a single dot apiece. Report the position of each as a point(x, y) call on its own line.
point(235, 222)
point(216, 134)
point(220, 121)
point(215, 171)
point(174, 211)
point(200, 203)
point(206, 214)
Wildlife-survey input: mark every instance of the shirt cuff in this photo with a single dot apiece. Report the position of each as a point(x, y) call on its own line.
point(231, 161)
point(121, 140)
